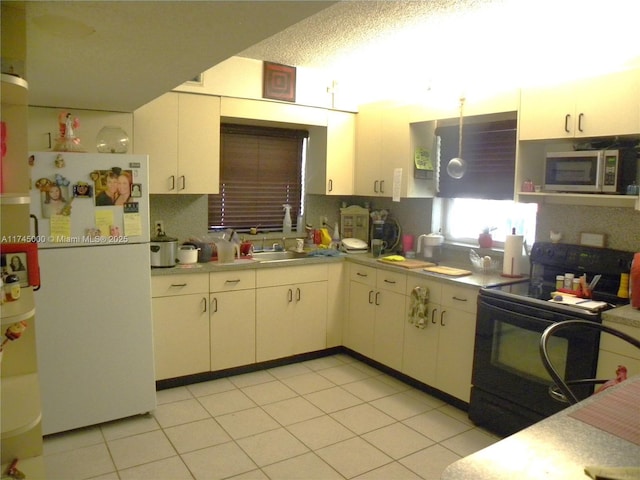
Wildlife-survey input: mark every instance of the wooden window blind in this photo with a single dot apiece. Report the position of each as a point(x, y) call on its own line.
point(260, 170)
point(489, 150)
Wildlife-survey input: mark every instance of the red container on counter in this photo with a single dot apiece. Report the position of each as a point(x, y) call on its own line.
point(634, 282)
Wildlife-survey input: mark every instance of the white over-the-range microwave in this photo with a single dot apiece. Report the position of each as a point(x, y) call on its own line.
point(590, 171)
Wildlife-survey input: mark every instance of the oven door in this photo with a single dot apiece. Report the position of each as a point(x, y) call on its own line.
point(507, 365)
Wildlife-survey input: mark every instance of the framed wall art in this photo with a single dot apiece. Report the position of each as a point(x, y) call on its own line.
point(279, 82)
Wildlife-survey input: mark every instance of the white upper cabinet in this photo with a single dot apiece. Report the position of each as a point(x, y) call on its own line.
point(331, 155)
point(595, 107)
point(382, 146)
point(181, 134)
point(341, 152)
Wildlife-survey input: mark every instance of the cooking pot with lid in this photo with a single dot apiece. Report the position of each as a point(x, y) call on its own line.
point(164, 251)
point(187, 254)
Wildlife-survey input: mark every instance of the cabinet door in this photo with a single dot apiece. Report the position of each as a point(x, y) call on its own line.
point(421, 344)
point(360, 321)
point(275, 308)
point(547, 112)
point(420, 351)
point(180, 335)
point(337, 295)
point(341, 149)
point(395, 150)
point(388, 328)
point(310, 318)
point(233, 329)
point(198, 144)
point(456, 339)
point(609, 105)
point(155, 133)
point(368, 147)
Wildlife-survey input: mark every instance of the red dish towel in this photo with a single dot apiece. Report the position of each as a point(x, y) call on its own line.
point(617, 411)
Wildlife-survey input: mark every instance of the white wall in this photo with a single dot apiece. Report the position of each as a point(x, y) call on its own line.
point(242, 78)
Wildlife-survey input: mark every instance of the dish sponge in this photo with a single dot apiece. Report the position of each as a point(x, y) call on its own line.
point(394, 258)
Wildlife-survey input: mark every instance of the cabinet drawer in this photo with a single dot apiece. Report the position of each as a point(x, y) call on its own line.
point(394, 281)
point(169, 285)
point(271, 277)
point(227, 281)
point(434, 287)
point(462, 298)
point(362, 274)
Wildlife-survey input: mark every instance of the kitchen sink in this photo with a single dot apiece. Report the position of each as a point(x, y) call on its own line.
point(275, 256)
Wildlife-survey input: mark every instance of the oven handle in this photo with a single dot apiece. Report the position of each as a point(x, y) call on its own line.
point(534, 319)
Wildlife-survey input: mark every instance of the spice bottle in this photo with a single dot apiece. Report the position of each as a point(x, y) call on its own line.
point(12, 288)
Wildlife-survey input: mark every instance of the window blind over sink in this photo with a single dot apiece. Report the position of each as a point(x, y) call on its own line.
point(489, 150)
point(260, 170)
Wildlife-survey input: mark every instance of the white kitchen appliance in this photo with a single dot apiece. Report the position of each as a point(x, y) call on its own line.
point(590, 171)
point(94, 343)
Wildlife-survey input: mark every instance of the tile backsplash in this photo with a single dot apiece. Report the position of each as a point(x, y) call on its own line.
point(186, 215)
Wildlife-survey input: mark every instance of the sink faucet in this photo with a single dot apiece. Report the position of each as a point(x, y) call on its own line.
point(280, 248)
point(419, 242)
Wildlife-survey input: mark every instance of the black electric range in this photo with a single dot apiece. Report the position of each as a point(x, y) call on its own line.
point(509, 382)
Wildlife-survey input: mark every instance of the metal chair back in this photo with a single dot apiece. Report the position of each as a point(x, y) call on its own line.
point(561, 391)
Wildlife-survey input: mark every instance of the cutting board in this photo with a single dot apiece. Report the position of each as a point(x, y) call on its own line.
point(580, 302)
point(407, 263)
point(452, 272)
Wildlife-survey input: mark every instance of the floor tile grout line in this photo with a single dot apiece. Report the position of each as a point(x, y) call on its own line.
point(369, 374)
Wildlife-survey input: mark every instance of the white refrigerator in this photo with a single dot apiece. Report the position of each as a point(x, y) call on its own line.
point(90, 217)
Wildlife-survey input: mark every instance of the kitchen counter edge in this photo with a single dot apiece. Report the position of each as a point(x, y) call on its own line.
point(477, 280)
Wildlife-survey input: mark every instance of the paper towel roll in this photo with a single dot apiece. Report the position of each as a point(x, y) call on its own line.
point(512, 255)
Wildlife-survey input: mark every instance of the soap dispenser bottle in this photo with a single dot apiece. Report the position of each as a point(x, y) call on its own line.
point(286, 221)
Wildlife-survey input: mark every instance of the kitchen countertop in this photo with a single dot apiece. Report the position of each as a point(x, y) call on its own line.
point(624, 315)
point(474, 280)
point(558, 447)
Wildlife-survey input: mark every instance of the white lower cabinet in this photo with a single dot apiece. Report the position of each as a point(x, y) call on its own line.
point(180, 324)
point(441, 354)
point(615, 351)
point(375, 325)
point(421, 341)
point(232, 314)
point(291, 311)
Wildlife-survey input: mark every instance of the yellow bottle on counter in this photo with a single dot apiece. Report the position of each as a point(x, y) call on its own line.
point(623, 291)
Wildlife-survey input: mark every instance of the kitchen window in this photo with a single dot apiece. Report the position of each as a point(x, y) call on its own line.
point(483, 197)
point(489, 151)
point(261, 169)
point(463, 219)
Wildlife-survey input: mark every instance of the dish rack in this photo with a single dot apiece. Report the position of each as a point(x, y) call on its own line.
point(484, 264)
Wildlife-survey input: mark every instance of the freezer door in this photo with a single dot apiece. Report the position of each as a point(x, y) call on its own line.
point(94, 335)
point(88, 199)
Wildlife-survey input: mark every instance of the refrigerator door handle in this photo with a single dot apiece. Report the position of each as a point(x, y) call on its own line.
point(36, 231)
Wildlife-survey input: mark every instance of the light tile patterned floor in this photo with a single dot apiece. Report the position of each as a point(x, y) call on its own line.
point(330, 418)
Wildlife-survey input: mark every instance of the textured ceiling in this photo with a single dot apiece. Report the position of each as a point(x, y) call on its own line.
point(139, 49)
point(387, 48)
point(323, 39)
